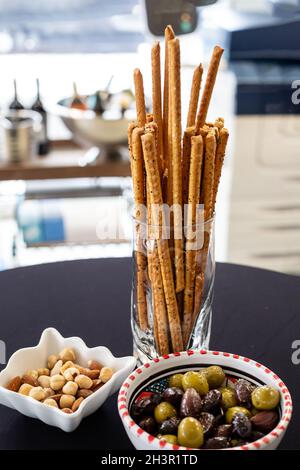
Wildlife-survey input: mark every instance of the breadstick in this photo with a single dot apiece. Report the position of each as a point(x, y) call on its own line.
point(159, 310)
point(190, 265)
point(209, 86)
point(219, 160)
point(186, 155)
point(153, 127)
point(194, 97)
point(131, 126)
point(137, 168)
point(156, 98)
point(206, 199)
point(199, 285)
point(208, 174)
point(139, 98)
point(174, 52)
point(169, 35)
point(151, 164)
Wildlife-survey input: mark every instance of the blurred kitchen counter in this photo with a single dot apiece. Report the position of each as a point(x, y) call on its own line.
point(66, 160)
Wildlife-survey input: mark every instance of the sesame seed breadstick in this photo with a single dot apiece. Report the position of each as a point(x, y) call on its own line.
point(139, 98)
point(159, 310)
point(175, 84)
point(219, 160)
point(169, 34)
point(151, 164)
point(194, 97)
point(186, 156)
point(156, 98)
point(137, 168)
point(199, 286)
point(190, 257)
point(209, 86)
point(208, 174)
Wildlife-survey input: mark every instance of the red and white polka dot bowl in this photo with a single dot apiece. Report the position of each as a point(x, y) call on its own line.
point(234, 367)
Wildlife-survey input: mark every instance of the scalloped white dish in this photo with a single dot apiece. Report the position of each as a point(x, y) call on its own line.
point(52, 342)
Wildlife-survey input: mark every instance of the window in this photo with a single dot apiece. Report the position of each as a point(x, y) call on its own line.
point(68, 26)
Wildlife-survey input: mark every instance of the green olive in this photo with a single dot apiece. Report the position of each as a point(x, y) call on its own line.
point(215, 376)
point(170, 438)
point(195, 380)
point(190, 433)
point(229, 398)
point(265, 398)
point(164, 411)
point(176, 380)
point(233, 411)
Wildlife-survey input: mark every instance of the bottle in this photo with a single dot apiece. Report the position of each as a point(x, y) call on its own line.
point(97, 103)
point(43, 146)
point(15, 104)
point(77, 102)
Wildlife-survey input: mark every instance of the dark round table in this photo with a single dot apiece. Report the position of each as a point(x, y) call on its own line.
point(256, 314)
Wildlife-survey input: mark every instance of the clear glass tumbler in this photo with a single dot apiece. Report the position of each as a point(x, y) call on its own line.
point(152, 319)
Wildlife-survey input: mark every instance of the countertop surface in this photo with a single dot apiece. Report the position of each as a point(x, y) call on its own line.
point(256, 314)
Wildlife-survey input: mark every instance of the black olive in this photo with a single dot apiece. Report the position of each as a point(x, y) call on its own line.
point(211, 400)
point(190, 404)
point(224, 430)
point(148, 424)
point(208, 422)
point(173, 395)
point(169, 426)
point(243, 390)
point(143, 407)
point(241, 425)
point(217, 443)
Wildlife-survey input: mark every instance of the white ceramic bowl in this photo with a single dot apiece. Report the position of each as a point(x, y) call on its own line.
point(52, 342)
point(233, 365)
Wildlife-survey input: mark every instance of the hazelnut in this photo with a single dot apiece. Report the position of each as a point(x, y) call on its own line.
point(83, 381)
point(49, 392)
point(50, 402)
point(57, 382)
point(66, 401)
point(32, 373)
point(52, 360)
point(67, 411)
point(37, 393)
point(77, 403)
point(43, 371)
point(96, 382)
point(25, 389)
point(92, 374)
point(84, 393)
point(27, 379)
point(71, 373)
point(56, 397)
point(56, 368)
point(67, 354)
point(106, 374)
point(66, 366)
point(94, 365)
point(14, 384)
point(44, 381)
point(70, 388)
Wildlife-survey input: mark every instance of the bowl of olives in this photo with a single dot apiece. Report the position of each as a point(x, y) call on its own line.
point(204, 400)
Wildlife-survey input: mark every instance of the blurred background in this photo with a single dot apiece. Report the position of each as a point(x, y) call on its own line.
point(66, 99)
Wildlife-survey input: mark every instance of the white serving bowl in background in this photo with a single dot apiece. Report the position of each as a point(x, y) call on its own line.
point(233, 365)
point(52, 342)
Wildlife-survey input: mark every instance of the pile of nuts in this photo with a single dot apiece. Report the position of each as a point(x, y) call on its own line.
point(63, 384)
